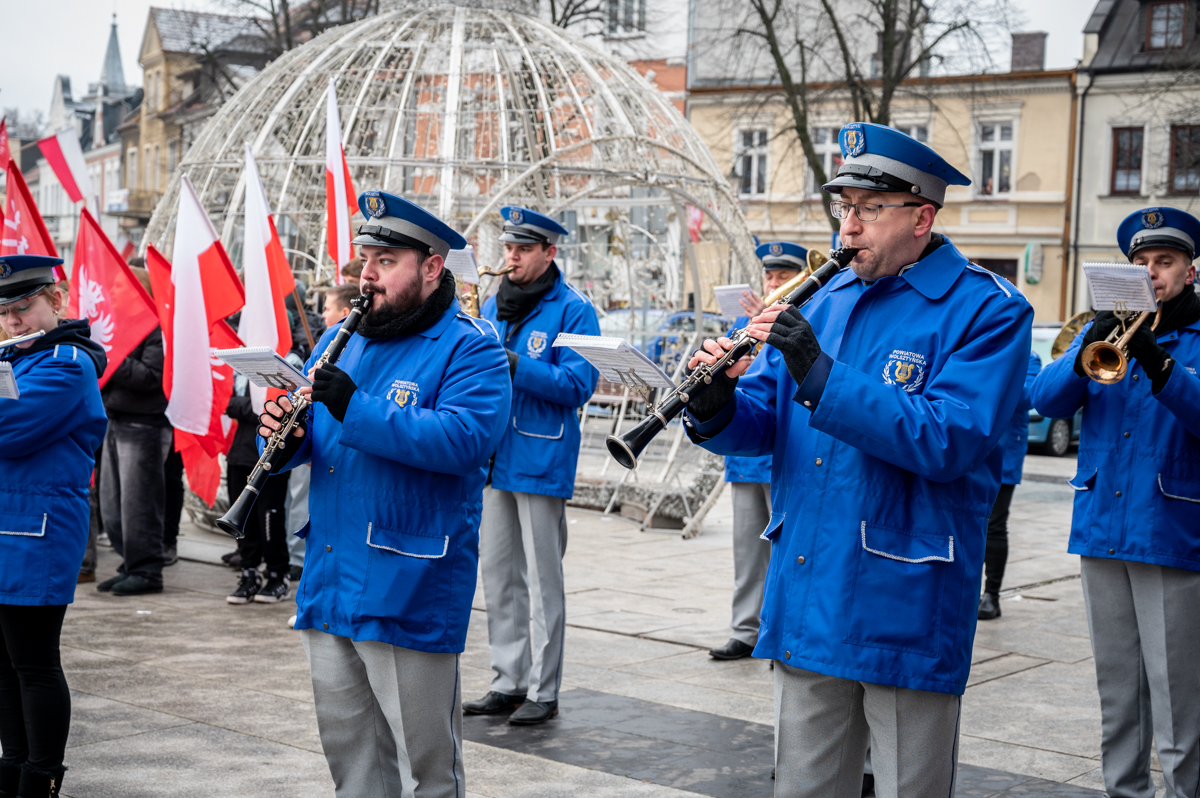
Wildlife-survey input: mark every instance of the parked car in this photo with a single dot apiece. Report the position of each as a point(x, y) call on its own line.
point(1052, 436)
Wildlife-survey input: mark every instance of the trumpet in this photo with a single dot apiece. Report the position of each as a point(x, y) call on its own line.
point(469, 296)
point(234, 520)
point(1107, 361)
point(626, 448)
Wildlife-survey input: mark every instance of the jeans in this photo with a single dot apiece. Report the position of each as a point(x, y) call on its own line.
point(995, 553)
point(35, 704)
point(174, 504)
point(135, 456)
point(266, 528)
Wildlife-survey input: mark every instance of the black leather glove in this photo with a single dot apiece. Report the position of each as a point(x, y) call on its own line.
point(333, 388)
point(1104, 323)
point(793, 336)
point(293, 443)
point(713, 398)
point(1157, 363)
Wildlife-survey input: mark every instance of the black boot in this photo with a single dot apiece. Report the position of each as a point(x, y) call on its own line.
point(989, 607)
point(40, 784)
point(10, 780)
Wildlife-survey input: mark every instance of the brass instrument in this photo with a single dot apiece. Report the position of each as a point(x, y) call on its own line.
point(1107, 361)
point(1062, 341)
point(626, 448)
point(468, 297)
point(234, 521)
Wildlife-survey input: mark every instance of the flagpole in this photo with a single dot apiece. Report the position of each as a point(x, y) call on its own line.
point(303, 318)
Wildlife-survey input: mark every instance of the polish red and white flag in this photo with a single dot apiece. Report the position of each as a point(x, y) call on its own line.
point(105, 292)
point(268, 279)
point(24, 232)
point(65, 156)
point(205, 290)
point(340, 200)
point(4, 153)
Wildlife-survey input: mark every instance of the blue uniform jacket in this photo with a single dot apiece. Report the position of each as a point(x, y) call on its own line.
point(747, 469)
point(541, 437)
point(1016, 437)
point(48, 442)
point(397, 489)
point(1138, 484)
point(882, 491)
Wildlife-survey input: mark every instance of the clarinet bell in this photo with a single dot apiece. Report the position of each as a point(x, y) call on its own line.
point(233, 523)
point(626, 449)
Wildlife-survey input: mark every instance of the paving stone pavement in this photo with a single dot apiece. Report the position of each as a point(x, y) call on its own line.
point(182, 694)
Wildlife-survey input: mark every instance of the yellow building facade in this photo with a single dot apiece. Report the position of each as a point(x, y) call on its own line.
point(1010, 133)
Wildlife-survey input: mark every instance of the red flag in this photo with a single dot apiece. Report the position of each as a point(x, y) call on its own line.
point(65, 156)
point(4, 154)
point(24, 231)
point(105, 292)
point(199, 452)
point(340, 199)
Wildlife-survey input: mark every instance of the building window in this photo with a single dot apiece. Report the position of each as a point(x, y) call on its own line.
point(995, 158)
point(751, 162)
point(131, 174)
point(148, 168)
point(1127, 160)
point(172, 156)
point(1003, 267)
point(626, 16)
point(1185, 158)
point(825, 142)
point(155, 167)
point(918, 132)
point(1164, 25)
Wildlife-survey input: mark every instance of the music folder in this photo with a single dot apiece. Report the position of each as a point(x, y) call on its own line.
point(617, 361)
point(264, 367)
point(1120, 287)
point(8, 382)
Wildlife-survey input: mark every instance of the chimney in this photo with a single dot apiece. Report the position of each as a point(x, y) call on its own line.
point(1028, 52)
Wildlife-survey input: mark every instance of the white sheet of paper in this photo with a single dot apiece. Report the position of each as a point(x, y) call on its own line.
point(263, 367)
point(1120, 286)
point(616, 360)
point(8, 382)
point(462, 264)
point(728, 299)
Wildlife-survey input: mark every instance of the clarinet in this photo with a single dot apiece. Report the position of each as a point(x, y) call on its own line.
point(626, 448)
point(234, 521)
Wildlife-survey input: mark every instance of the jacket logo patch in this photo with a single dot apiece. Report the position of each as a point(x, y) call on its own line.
point(536, 343)
point(403, 393)
point(906, 369)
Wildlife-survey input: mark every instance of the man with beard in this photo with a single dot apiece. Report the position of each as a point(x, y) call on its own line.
point(399, 437)
point(524, 532)
point(882, 409)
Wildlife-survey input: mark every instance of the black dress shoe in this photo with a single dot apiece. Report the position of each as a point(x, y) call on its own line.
point(734, 649)
point(534, 712)
point(868, 784)
point(989, 607)
point(493, 704)
point(110, 583)
point(135, 586)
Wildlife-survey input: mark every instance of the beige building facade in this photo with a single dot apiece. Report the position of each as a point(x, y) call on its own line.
point(1010, 133)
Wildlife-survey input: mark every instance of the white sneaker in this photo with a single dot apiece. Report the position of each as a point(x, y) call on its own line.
point(292, 622)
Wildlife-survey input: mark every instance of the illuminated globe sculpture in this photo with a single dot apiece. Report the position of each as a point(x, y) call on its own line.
point(463, 109)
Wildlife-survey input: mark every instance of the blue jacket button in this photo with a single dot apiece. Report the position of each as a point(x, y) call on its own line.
point(326, 626)
point(1112, 551)
point(787, 655)
point(800, 559)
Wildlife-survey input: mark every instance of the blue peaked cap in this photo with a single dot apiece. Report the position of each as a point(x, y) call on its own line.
point(1159, 227)
point(782, 255)
point(23, 276)
point(524, 226)
point(395, 222)
point(880, 158)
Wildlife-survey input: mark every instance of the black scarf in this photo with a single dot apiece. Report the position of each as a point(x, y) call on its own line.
point(416, 320)
point(513, 302)
point(1179, 312)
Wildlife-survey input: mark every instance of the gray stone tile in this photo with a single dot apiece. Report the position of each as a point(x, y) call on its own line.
point(1000, 667)
point(95, 720)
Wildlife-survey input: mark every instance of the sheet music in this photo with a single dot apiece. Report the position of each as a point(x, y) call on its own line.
point(462, 264)
point(617, 361)
point(1120, 286)
point(8, 382)
point(264, 368)
point(729, 299)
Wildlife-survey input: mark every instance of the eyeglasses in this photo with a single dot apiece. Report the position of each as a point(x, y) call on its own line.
point(865, 211)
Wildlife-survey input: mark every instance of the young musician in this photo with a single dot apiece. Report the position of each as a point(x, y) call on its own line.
point(524, 532)
point(399, 439)
point(883, 411)
point(48, 440)
point(1135, 526)
point(750, 477)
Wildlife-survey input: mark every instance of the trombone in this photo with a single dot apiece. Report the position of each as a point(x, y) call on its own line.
point(1107, 361)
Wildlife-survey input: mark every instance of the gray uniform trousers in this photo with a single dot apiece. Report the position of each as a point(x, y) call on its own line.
point(823, 725)
point(522, 539)
point(390, 718)
point(751, 514)
point(1145, 625)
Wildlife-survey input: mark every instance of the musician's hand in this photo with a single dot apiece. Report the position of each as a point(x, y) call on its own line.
point(715, 349)
point(1156, 361)
point(333, 388)
point(1102, 326)
point(752, 303)
point(269, 421)
point(793, 336)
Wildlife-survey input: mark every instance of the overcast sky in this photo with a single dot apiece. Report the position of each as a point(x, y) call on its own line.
point(43, 39)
